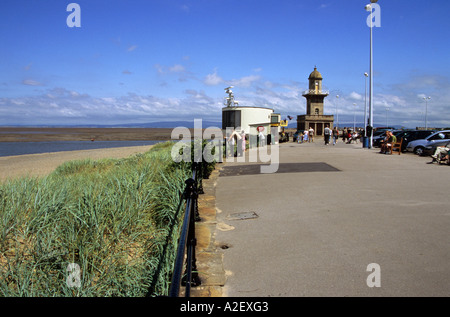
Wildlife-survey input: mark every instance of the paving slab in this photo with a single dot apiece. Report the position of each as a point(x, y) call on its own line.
point(334, 221)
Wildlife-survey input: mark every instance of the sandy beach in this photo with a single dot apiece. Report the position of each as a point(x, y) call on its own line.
point(45, 163)
point(42, 164)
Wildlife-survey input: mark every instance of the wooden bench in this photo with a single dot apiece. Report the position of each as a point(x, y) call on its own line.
point(397, 145)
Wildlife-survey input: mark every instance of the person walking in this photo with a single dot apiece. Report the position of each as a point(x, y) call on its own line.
point(335, 135)
point(243, 142)
point(327, 134)
point(230, 145)
point(344, 134)
point(305, 136)
point(311, 135)
point(262, 139)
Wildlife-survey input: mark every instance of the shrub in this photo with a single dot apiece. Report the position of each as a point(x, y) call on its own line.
point(111, 217)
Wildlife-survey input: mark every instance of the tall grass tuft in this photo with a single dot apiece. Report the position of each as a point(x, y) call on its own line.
point(116, 219)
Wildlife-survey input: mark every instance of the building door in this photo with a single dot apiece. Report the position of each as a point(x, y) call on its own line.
point(319, 128)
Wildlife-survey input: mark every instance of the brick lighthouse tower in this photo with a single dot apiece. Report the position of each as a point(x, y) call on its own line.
point(315, 96)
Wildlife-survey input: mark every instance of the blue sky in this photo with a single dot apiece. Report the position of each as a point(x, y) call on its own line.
point(140, 61)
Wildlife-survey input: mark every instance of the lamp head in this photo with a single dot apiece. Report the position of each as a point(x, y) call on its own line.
point(369, 6)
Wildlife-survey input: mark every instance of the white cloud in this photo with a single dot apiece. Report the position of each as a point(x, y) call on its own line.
point(213, 79)
point(177, 68)
point(245, 81)
point(18, 102)
point(31, 82)
point(180, 71)
point(421, 96)
point(185, 8)
point(159, 68)
point(61, 106)
point(355, 96)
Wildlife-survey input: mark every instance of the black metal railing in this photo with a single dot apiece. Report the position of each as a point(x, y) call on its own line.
point(188, 241)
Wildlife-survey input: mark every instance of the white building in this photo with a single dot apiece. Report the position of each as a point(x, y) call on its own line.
point(252, 120)
point(247, 118)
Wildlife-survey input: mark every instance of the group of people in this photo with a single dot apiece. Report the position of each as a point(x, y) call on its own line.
point(442, 153)
point(349, 135)
point(328, 133)
point(307, 136)
point(388, 141)
point(239, 139)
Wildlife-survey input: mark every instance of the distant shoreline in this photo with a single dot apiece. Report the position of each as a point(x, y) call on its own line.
point(23, 134)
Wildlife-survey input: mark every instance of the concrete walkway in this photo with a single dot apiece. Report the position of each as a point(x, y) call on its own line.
point(313, 228)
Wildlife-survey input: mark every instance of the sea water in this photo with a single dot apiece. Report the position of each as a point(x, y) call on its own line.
point(21, 148)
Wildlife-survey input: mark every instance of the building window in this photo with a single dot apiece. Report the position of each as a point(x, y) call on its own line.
point(231, 119)
point(316, 111)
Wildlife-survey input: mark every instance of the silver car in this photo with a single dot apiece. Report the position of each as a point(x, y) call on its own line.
point(419, 146)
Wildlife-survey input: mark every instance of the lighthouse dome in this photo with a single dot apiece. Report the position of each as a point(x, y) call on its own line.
point(315, 74)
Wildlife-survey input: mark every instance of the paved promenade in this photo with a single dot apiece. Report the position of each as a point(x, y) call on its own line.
point(312, 228)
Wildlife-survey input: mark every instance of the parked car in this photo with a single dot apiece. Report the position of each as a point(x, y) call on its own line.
point(382, 129)
point(412, 135)
point(419, 146)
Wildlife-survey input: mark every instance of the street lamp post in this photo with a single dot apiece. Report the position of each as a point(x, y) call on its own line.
point(426, 111)
point(354, 118)
point(365, 105)
point(369, 8)
point(337, 116)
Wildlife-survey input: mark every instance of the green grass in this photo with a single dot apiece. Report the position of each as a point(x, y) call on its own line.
point(111, 217)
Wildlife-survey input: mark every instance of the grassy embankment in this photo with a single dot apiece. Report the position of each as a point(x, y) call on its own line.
point(110, 217)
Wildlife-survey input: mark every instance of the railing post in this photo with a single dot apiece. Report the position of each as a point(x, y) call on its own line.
point(191, 278)
point(188, 241)
point(201, 171)
point(198, 190)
